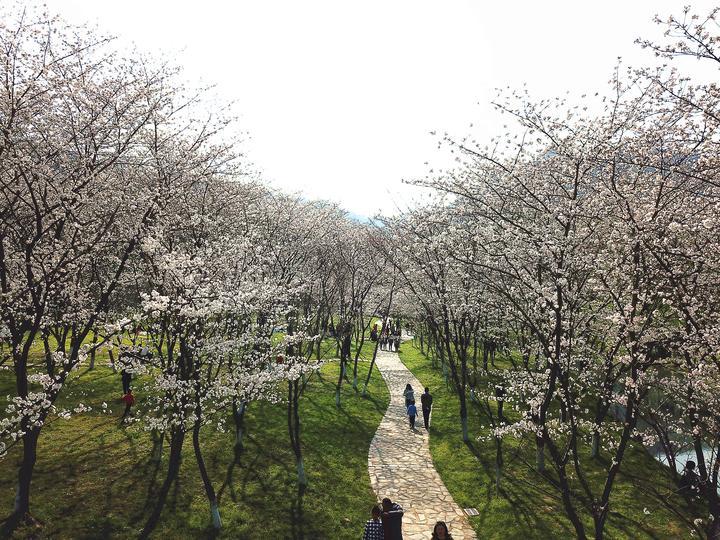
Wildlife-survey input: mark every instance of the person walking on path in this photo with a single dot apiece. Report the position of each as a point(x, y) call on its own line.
point(374, 527)
point(412, 413)
point(426, 402)
point(392, 520)
point(409, 394)
point(440, 531)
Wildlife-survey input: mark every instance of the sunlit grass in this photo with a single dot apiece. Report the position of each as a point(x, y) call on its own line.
point(528, 505)
point(94, 479)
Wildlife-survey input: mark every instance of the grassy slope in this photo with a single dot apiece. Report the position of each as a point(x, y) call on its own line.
point(528, 506)
point(94, 480)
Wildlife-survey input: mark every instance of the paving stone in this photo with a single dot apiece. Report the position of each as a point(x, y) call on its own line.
point(401, 466)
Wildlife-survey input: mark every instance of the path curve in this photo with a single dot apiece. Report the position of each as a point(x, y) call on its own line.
point(401, 466)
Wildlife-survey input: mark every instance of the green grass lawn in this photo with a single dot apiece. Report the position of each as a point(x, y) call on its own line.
point(528, 505)
point(94, 479)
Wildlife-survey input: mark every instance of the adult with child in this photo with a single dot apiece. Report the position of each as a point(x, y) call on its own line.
point(440, 531)
point(374, 526)
point(426, 402)
point(392, 519)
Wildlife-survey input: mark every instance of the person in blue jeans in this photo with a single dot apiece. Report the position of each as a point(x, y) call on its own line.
point(412, 413)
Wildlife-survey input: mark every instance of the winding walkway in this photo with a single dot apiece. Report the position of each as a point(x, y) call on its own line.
point(400, 464)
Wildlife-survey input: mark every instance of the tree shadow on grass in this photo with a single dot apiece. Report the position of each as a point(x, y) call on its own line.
point(228, 482)
point(525, 500)
point(154, 465)
point(379, 405)
point(522, 496)
point(297, 515)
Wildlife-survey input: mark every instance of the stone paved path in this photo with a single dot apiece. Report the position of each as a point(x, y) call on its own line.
point(400, 464)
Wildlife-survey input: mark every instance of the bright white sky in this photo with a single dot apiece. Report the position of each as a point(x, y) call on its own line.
point(340, 96)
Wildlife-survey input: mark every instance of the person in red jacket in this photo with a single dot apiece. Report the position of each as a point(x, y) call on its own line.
point(129, 401)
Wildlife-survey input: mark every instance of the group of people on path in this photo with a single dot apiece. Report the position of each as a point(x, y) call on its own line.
point(388, 337)
point(386, 523)
point(425, 401)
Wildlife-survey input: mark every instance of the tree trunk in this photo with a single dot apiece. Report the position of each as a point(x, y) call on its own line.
point(344, 357)
point(338, 387)
point(569, 509)
point(209, 490)
point(498, 442)
point(372, 363)
point(176, 444)
point(540, 454)
point(302, 479)
point(112, 361)
point(464, 419)
point(595, 451)
point(294, 431)
point(360, 342)
point(239, 418)
point(93, 350)
point(48, 355)
point(158, 439)
point(21, 509)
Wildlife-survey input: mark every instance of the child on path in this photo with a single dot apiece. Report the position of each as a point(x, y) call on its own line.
point(412, 413)
point(374, 527)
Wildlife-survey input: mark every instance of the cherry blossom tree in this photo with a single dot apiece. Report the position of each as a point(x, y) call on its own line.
point(79, 188)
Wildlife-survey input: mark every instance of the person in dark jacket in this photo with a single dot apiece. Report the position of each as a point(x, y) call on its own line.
point(126, 378)
point(392, 519)
point(689, 481)
point(426, 401)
